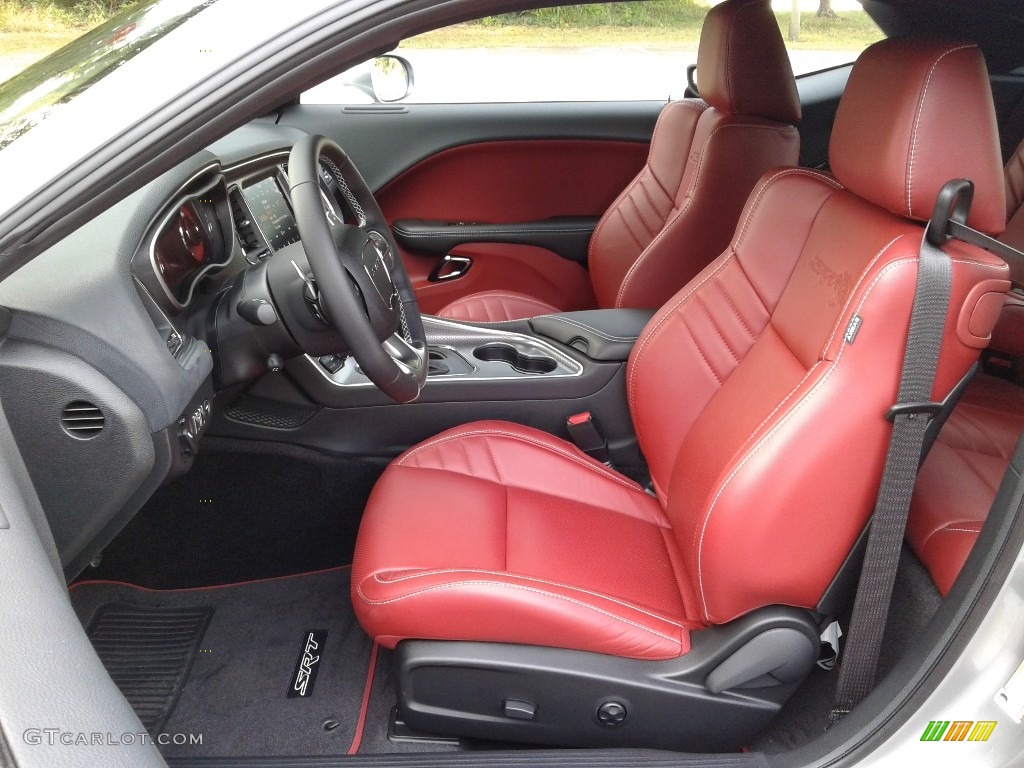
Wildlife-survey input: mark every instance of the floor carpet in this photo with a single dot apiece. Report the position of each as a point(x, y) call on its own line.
point(245, 510)
point(234, 688)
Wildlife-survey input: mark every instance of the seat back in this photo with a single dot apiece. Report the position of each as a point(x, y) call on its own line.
point(1008, 336)
point(1014, 233)
point(706, 155)
point(759, 391)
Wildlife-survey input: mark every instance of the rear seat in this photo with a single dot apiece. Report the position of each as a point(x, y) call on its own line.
point(958, 481)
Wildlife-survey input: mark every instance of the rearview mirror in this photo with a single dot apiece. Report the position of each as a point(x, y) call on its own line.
point(391, 78)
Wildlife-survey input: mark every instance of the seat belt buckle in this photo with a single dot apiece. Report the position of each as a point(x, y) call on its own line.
point(931, 410)
point(587, 437)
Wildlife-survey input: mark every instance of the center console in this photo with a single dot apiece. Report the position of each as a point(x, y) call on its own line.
point(536, 372)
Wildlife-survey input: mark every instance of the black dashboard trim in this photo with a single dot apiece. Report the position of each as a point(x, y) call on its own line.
point(186, 193)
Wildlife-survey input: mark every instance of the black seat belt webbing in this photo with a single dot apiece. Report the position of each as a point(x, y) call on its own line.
point(910, 418)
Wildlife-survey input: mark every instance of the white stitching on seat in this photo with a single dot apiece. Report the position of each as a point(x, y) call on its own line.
point(729, 256)
point(689, 199)
point(523, 438)
point(864, 273)
point(700, 106)
point(760, 443)
point(769, 182)
point(917, 123)
point(441, 571)
point(438, 587)
point(650, 335)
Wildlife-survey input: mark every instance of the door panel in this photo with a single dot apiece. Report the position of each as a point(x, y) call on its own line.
point(506, 182)
point(496, 164)
point(520, 268)
point(386, 140)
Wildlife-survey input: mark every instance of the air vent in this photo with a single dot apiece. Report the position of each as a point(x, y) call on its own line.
point(82, 420)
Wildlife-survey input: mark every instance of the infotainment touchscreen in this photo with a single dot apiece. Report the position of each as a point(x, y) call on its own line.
point(270, 210)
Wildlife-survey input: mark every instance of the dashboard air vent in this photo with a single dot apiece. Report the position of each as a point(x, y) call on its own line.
point(82, 420)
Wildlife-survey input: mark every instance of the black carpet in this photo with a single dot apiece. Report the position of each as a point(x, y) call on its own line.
point(235, 694)
point(245, 511)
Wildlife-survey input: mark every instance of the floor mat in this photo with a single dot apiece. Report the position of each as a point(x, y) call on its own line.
point(148, 652)
point(380, 700)
point(265, 645)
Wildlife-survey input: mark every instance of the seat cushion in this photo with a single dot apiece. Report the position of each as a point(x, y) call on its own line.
point(498, 530)
point(959, 480)
point(496, 307)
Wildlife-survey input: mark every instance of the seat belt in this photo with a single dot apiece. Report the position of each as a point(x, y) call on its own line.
point(910, 417)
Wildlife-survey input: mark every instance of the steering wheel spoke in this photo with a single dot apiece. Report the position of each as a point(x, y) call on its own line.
point(410, 356)
point(361, 279)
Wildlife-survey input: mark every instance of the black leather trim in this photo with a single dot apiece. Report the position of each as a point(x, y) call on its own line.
point(600, 334)
point(568, 236)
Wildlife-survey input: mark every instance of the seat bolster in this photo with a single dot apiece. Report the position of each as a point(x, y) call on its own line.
point(641, 212)
point(498, 451)
point(451, 604)
point(731, 153)
point(496, 307)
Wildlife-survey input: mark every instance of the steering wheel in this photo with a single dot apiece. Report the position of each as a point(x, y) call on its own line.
point(362, 284)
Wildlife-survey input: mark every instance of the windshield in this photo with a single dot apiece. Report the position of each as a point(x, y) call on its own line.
point(36, 93)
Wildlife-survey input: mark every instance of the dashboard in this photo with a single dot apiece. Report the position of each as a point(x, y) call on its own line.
point(114, 321)
point(223, 220)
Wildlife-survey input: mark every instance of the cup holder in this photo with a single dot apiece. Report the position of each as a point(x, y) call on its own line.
point(506, 353)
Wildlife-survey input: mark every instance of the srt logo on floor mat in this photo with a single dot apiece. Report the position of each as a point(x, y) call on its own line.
point(308, 664)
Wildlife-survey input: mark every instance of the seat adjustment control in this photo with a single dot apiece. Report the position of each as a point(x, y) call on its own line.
point(519, 710)
point(611, 714)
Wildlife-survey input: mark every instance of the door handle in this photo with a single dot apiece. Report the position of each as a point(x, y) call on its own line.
point(449, 268)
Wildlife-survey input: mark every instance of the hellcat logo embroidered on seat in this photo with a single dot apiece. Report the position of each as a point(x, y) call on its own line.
point(841, 283)
point(308, 664)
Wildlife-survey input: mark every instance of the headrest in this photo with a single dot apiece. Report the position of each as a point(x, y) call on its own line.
point(742, 65)
point(915, 114)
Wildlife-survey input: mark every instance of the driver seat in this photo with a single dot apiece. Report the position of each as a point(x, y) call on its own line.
point(536, 595)
point(706, 155)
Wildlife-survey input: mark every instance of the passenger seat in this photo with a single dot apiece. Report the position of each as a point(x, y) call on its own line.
point(959, 480)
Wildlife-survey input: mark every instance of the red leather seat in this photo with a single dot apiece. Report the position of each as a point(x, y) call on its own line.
point(959, 480)
point(758, 407)
point(706, 155)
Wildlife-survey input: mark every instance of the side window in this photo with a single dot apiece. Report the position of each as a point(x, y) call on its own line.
point(629, 51)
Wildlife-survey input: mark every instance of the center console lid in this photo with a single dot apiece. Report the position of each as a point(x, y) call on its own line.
point(600, 334)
